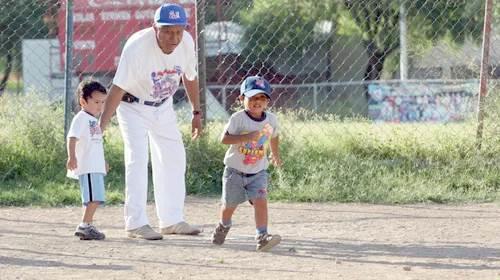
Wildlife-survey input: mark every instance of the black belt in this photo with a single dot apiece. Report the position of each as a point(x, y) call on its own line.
point(129, 98)
point(241, 173)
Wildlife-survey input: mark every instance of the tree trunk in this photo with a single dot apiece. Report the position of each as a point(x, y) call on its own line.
point(374, 66)
point(6, 72)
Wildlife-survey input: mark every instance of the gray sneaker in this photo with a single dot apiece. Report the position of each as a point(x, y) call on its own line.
point(219, 234)
point(181, 228)
point(89, 233)
point(267, 241)
point(144, 232)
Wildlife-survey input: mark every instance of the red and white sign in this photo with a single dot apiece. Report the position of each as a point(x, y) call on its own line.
point(101, 28)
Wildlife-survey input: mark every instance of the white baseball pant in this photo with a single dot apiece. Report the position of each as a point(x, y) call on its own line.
point(138, 124)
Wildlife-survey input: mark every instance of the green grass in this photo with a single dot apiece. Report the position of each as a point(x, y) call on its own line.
point(356, 161)
point(14, 86)
point(326, 159)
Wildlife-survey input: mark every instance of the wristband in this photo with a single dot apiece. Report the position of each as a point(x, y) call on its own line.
point(196, 112)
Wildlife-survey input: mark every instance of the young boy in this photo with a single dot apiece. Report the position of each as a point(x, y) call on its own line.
point(245, 173)
point(86, 155)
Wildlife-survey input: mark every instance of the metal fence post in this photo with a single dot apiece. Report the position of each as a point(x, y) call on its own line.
point(224, 98)
point(315, 97)
point(68, 67)
point(403, 48)
point(202, 77)
point(483, 76)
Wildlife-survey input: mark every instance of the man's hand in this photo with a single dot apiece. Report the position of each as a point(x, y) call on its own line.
point(112, 101)
point(193, 94)
point(196, 128)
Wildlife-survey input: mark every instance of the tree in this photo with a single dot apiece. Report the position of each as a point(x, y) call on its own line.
point(286, 27)
point(283, 28)
point(217, 10)
point(377, 22)
point(19, 19)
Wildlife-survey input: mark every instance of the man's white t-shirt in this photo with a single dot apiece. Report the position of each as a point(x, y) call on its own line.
point(149, 74)
point(89, 147)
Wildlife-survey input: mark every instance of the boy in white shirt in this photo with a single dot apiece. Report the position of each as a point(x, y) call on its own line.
point(86, 155)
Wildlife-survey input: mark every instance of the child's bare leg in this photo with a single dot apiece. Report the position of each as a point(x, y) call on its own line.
point(85, 230)
point(220, 232)
point(226, 214)
point(88, 213)
point(260, 211)
point(265, 241)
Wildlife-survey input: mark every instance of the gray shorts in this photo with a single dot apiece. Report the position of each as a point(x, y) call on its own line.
point(238, 187)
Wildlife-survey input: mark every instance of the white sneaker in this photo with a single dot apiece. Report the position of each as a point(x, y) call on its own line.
point(144, 232)
point(181, 228)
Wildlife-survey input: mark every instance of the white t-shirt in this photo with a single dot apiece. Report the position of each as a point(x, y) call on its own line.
point(89, 147)
point(250, 157)
point(151, 75)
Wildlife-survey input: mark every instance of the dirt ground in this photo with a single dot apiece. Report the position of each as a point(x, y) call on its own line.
point(320, 241)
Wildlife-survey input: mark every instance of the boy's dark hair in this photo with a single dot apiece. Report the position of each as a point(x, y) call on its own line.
point(86, 87)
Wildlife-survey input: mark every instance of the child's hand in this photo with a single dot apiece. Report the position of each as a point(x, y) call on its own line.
point(253, 136)
point(276, 160)
point(71, 164)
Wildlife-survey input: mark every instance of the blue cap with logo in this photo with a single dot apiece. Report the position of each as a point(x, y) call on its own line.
point(170, 14)
point(254, 85)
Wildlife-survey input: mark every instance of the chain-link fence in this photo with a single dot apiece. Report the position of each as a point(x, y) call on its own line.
point(319, 55)
point(385, 61)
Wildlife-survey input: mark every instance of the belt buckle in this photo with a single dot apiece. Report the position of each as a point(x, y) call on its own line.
point(158, 103)
point(128, 98)
point(152, 103)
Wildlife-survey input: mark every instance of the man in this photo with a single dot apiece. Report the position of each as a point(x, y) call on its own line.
point(152, 63)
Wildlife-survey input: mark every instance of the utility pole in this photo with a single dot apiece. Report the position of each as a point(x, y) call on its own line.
point(483, 76)
point(68, 67)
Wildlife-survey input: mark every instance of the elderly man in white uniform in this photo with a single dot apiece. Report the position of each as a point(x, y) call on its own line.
point(152, 63)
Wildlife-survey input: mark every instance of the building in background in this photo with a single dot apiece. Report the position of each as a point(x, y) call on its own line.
point(455, 62)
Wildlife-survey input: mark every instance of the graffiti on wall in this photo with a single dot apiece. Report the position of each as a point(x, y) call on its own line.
point(421, 102)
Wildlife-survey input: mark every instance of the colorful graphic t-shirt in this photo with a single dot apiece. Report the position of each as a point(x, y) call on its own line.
point(148, 73)
point(89, 147)
point(250, 157)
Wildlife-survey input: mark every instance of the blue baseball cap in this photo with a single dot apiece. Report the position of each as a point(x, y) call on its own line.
point(170, 14)
point(254, 85)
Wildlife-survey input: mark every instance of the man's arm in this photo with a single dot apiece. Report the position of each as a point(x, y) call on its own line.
point(193, 94)
point(112, 102)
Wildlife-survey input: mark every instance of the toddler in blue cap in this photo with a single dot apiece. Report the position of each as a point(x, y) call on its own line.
point(249, 133)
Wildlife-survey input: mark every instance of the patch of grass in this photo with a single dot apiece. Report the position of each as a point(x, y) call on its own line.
point(326, 159)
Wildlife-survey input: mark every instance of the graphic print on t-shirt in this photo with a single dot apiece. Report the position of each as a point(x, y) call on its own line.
point(164, 82)
point(255, 150)
point(94, 128)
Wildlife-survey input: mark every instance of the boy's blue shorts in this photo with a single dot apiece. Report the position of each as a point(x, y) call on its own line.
point(238, 187)
point(92, 188)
